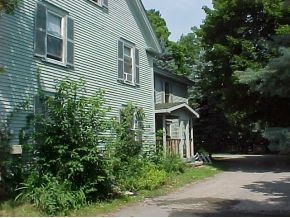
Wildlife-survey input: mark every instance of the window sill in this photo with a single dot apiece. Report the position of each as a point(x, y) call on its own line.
point(51, 61)
point(54, 62)
point(128, 83)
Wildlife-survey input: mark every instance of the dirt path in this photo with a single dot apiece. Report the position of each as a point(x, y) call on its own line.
point(253, 186)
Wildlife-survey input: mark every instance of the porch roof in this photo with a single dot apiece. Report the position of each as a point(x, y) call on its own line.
point(170, 107)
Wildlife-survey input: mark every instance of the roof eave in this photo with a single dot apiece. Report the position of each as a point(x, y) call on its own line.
point(174, 108)
point(157, 49)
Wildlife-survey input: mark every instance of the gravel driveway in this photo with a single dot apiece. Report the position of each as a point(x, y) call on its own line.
point(254, 185)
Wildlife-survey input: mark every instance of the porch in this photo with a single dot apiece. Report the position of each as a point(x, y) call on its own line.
point(174, 122)
point(173, 147)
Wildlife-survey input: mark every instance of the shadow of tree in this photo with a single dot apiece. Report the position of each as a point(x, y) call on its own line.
point(254, 163)
point(218, 207)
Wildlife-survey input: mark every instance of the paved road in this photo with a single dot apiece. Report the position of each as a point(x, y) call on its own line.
point(253, 186)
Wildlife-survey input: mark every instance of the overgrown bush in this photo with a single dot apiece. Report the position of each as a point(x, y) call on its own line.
point(77, 163)
point(50, 195)
point(139, 174)
point(16, 169)
point(70, 136)
point(170, 163)
point(129, 130)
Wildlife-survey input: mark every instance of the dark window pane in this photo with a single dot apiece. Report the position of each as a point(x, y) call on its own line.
point(167, 93)
point(54, 48)
point(127, 64)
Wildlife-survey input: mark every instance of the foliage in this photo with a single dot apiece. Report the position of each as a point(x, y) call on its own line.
point(272, 80)
point(70, 136)
point(50, 195)
point(159, 26)
point(178, 56)
point(245, 40)
point(13, 169)
point(129, 132)
point(16, 169)
point(102, 208)
point(8, 6)
point(170, 163)
point(138, 174)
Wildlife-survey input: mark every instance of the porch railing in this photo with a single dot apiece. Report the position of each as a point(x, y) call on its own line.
point(172, 145)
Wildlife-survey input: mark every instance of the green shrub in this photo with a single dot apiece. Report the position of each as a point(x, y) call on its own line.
point(15, 169)
point(70, 136)
point(51, 196)
point(170, 163)
point(129, 132)
point(150, 177)
point(139, 174)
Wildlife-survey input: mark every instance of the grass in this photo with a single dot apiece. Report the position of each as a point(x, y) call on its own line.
point(175, 181)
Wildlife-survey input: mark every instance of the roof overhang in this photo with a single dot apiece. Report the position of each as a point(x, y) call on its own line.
point(167, 74)
point(153, 43)
point(177, 107)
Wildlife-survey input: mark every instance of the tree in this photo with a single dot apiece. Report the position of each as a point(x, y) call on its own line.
point(237, 35)
point(176, 56)
point(8, 6)
point(159, 26)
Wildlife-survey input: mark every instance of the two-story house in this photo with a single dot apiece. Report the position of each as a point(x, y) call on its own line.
point(109, 43)
point(173, 116)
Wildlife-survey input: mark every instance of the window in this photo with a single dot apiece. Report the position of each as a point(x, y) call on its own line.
point(54, 39)
point(54, 35)
point(167, 92)
point(132, 119)
point(102, 3)
point(128, 62)
point(172, 128)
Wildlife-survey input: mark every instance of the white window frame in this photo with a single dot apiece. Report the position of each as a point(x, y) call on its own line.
point(125, 74)
point(99, 3)
point(63, 38)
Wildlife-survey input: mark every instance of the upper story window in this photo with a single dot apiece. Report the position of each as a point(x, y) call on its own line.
point(102, 3)
point(167, 92)
point(54, 35)
point(128, 62)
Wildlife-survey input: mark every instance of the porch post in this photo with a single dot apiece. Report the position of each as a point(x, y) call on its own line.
point(164, 133)
point(191, 133)
point(187, 139)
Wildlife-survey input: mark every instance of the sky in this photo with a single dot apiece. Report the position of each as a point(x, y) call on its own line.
point(180, 15)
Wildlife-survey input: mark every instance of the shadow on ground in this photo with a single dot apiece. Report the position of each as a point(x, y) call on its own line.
point(277, 193)
point(253, 163)
point(217, 207)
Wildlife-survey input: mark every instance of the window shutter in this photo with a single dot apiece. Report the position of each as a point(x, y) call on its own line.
point(70, 42)
point(105, 3)
point(120, 60)
point(137, 76)
point(40, 30)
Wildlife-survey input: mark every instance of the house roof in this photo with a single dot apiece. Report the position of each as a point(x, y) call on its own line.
point(152, 40)
point(173, 76)
point(170, 107)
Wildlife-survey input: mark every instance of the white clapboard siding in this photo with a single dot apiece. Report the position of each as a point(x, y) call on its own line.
point(96, 33)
